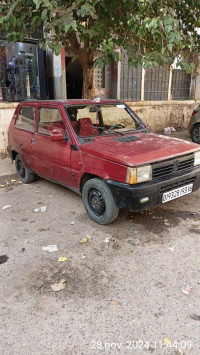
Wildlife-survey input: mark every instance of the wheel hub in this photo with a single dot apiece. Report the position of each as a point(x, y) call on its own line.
point(21, 169)
point(96, 202)
point(196, 134)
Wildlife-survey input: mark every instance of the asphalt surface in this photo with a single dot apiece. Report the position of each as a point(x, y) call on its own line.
point(132, 288)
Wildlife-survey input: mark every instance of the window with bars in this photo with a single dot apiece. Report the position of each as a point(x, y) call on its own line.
point(99, 78)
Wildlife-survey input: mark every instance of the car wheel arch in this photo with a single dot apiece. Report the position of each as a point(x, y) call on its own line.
point(85, 177)
point(13, 154)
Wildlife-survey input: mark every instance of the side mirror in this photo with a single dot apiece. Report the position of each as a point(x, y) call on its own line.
point(57, 135)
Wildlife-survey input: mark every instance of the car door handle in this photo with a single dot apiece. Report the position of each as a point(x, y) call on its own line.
point(33, 140)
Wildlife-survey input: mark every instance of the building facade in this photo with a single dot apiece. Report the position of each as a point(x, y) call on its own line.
point(27, 72)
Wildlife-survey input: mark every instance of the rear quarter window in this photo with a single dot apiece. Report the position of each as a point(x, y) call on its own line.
point(25, 119)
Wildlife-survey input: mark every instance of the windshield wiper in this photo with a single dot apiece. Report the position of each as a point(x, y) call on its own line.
point(99, 128)
point(136, 129)
point(112, 131)
point(103, 129)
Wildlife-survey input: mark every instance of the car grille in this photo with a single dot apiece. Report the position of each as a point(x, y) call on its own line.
point(177, 184)
point(172, 166)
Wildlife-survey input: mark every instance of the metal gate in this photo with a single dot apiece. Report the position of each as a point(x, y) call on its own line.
point(180, 84)
point(130, 83)
point(156, 84)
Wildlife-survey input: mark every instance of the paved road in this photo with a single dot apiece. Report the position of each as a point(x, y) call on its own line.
point(123, 288)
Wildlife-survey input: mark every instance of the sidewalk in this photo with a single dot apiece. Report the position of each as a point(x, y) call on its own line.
point(8, 171)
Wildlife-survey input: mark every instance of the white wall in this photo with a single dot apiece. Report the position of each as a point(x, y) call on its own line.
point(6, 113)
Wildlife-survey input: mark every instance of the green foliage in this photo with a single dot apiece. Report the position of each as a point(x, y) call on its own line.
point(152, 32)
point(71, 26)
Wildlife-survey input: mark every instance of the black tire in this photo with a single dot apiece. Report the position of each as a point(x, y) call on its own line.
point(195, 133)
point(25, 175)
point(99, 202)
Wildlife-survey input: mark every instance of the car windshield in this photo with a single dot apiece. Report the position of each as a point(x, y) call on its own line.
point(103, 119)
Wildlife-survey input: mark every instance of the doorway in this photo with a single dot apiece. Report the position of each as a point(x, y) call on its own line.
point(74, 78)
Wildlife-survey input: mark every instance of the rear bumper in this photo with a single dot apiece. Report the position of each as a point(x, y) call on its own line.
point(128, 196)
point(9, 150)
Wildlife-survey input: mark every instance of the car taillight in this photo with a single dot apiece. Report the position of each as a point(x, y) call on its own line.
point(194, 113)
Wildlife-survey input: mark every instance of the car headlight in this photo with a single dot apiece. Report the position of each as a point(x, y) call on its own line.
point(139, 174)
point(197, 158)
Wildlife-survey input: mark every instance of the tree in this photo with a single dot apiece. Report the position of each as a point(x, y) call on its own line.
point(153, 32)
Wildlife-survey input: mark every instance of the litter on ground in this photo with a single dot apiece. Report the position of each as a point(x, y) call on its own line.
point(114, 303)
point(107, 240)
point(169, 130)
point(84, 240)
point(6, 207)
point(186, 289)
point(42, 209)
point(50, 248)
point(58, 286)
point(62, 258)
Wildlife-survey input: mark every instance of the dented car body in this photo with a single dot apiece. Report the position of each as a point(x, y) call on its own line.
point(102, 150)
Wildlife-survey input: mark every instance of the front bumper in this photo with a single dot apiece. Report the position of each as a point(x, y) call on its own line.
point(128, 196)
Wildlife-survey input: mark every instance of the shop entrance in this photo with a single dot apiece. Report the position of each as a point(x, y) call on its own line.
point(19, 80)
point(74, 78)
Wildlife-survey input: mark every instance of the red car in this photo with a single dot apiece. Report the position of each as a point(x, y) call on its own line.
point(102, 150)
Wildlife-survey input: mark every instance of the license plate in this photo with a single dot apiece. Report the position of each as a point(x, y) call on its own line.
point(181, 191)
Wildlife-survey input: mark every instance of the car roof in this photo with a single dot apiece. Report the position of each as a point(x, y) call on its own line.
point(70, 101)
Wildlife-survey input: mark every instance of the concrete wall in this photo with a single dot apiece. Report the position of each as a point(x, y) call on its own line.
point(157, 114)
point(161, 114)
point(6, 112)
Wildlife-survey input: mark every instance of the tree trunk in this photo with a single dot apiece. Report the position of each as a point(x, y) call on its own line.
point(85, 57)
point(88, 91)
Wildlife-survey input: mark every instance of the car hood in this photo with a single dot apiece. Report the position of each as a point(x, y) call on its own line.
point(148, 148)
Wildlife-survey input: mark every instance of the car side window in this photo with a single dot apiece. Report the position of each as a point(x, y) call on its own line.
point(25, 118)
point(48, 120)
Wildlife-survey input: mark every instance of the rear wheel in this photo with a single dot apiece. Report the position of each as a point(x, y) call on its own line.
point(195, 133)
point(99, 202)
point(25, 175)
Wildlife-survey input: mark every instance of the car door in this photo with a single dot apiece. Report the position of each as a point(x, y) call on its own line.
point(51, 158)
point(24, 133)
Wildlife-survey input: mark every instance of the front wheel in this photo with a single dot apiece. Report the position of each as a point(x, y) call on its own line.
point(25, 175)
point(99, 202)
point(195, 133)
